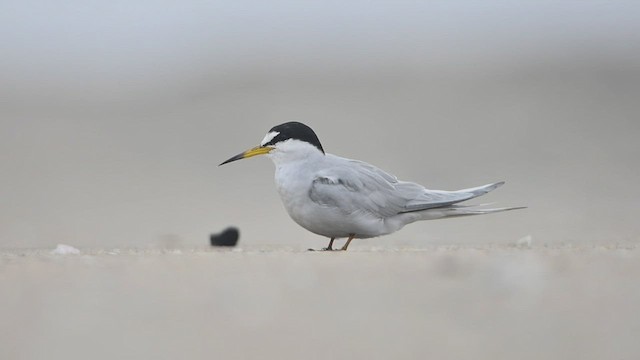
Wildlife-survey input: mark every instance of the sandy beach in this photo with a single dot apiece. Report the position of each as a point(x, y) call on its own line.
point(493, 302)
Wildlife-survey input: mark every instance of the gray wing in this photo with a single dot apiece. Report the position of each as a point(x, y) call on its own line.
point(354, 186)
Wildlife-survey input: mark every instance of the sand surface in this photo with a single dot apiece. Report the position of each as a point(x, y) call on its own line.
point(492, 302)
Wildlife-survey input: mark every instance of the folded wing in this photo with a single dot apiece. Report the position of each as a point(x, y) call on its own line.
point(357, 187)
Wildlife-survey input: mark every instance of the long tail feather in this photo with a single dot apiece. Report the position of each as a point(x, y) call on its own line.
point(455, 211)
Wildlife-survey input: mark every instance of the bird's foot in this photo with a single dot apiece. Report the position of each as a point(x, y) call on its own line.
point(328, 248)
point(324, 249)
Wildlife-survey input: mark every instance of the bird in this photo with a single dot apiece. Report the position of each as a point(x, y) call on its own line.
point(337, 197)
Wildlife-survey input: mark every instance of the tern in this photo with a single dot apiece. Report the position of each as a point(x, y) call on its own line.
point(338, 197)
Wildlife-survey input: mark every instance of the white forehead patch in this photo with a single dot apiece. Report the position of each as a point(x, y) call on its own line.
point(269, 137)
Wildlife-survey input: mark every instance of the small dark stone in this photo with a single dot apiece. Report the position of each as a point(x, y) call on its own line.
point(229, 237)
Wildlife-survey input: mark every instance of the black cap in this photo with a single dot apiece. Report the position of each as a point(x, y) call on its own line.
point(295, 130)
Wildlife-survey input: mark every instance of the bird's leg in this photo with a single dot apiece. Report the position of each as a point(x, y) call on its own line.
point(346, 245)
point(328, 248)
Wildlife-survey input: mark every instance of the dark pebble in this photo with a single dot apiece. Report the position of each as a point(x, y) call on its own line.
point(229, 237)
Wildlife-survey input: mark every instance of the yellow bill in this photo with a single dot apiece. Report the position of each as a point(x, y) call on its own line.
point(258, 150)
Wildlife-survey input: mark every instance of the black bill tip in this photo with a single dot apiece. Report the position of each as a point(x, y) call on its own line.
point(234, 158)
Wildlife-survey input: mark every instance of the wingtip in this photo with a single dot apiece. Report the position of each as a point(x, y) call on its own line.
point(490, 187)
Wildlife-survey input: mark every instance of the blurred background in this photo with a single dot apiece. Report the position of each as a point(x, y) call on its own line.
point(114, 115)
